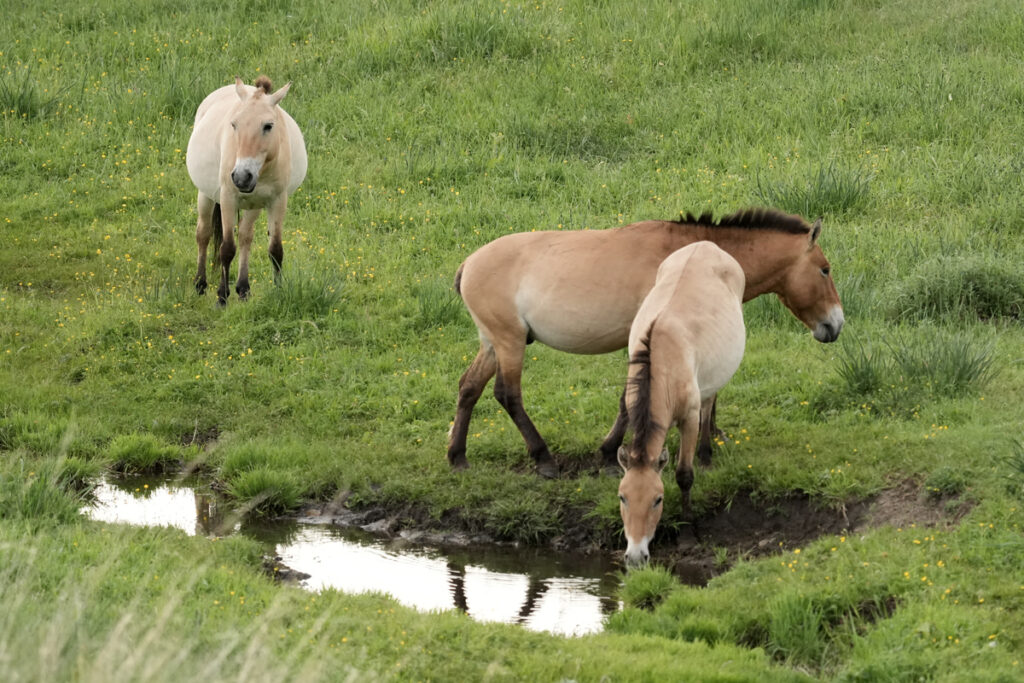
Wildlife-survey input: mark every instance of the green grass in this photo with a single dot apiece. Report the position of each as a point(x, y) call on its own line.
point(433, 129)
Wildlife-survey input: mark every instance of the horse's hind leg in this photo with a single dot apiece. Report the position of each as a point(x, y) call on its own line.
point(275, 227)
point(689, 425)
point(204, 230)
point(244, 245)
point(508, 391)
point(707, 420)
point(228, 215)
point(610, 446)
point(471, 386)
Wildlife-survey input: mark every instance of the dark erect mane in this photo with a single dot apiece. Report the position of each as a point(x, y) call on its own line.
point(264, 83)
point(750, 219)
point(640, 421)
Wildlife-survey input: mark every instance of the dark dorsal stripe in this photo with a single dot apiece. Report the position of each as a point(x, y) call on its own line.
point(750, 219)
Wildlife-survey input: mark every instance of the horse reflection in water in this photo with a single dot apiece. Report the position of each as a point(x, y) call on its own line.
point(210, 519)
point(535, 590)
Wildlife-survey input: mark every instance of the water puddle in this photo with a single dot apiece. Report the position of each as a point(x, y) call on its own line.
point(537, 588)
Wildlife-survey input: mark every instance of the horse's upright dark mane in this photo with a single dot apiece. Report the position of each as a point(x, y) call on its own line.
point(264, 82)
point(750, 219)
point(640, 421)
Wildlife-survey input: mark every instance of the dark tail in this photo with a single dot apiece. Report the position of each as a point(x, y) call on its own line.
point(458, 279)
point(218, 234)
point(639, 409)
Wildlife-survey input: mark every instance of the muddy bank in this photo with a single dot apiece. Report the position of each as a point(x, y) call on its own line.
point(696, 551)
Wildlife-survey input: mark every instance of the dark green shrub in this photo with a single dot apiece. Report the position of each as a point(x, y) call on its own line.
point(961, 287)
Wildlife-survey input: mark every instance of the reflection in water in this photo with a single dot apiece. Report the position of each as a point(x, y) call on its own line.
point(533, 587)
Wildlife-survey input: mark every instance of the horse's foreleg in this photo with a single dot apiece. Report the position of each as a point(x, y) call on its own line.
point(610, 446)
point(245, 229)
point(689, 425)
point(204, 230)
point(275, 228)
point(508, 391)
point(228, 215)
point(471, 386)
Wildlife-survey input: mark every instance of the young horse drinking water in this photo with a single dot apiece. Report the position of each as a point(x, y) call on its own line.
point(578, 291)
point(245, 153)
point(686, 342)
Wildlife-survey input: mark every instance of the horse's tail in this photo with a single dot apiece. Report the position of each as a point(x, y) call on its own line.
point(458, 279)
point(218, 234)
point(638, 392)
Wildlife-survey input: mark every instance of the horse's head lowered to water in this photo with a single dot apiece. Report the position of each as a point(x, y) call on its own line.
point(258, 127)
point(641, 500)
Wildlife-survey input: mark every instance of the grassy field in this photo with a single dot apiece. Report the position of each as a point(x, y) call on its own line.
point(433, 128)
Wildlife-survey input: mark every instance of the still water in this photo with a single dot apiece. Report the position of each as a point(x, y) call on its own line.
point(538, 588)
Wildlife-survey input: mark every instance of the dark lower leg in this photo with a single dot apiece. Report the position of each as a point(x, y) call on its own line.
point(471, 386)
point(276, 259)
point(511, 400)
point(610, 446)
point(227, 253)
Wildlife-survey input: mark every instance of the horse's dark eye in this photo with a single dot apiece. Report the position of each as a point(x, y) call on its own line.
point(622, 499)
point(267, 127)
point(234, 124)
point(825, 271)
point(657, 502)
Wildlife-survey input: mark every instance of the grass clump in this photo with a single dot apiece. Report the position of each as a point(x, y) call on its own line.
point(945, 481)
point(648, 587)
point(829, 190)
point(265, 491)
point(961, 287)
point(142, 453)
point(895, 375)
point(526, 518)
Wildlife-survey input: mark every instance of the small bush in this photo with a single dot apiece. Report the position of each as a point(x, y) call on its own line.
point(830, 190)
point(960, 287)
point(137, 453)
point(648, 587)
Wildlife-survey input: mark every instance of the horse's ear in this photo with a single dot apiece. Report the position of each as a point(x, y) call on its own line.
point(623, 458)
point(279, 95)
point(815, 231)
point(240, 88)
point(662, 459)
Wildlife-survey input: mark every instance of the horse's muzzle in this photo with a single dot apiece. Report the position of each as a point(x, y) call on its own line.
point(828, 329)
point(244, 180)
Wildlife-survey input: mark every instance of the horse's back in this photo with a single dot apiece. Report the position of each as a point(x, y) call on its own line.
point(574, 290)
point(695, 309)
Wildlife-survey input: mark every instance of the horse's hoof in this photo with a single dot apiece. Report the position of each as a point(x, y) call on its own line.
point(548, 469)
point(200, 286)
point(459, 463)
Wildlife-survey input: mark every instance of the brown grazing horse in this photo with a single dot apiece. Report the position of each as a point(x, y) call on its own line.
point(245, 153)
point(686, 342)
point(578, 291)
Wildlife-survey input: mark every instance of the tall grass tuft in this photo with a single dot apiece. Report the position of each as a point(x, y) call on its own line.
point(437, 305)
point(892, 377)
point(830, 190)
point(299, 296)
point(25, 99)
point(265, 491)
point(962, 287)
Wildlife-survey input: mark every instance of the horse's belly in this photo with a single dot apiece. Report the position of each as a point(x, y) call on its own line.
point(720, 364)
point(581, 336)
